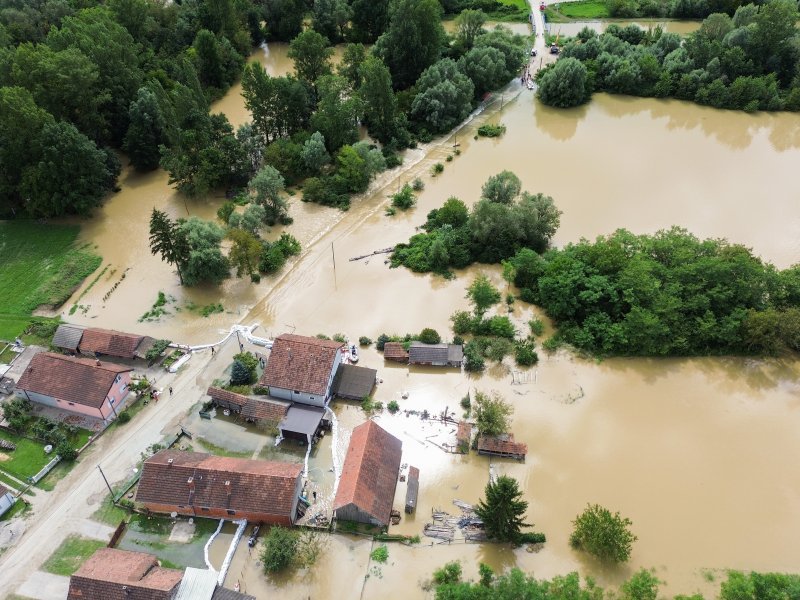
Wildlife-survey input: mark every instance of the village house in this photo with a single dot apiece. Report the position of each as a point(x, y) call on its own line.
point(102, 342)
point(254, 410)
point(395, 351)
point(203, 485)
point(437, 355)
point(502, 445)
point(302, 369)
point(369, 476)
point(111, 574)
point(83, 386)
point(354, 383)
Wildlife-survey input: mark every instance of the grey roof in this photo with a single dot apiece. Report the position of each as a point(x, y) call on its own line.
point(197, 584)
point(435, 353)
point(145, 345)
point(302, 419)
point(354, 382)
point(67, 336)
point(222, 593)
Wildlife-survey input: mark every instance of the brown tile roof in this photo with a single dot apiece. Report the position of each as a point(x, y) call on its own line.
point(255, 485)
point(300, 363)
point(226, 396)
point(464, 433)
point(264, 410)
point(111, 574)
point(369, 475)
point(501, 444)
point(77, 380)
point(112, 343)
point(395, 351)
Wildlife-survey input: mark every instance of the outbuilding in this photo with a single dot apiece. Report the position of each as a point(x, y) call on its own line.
point(437, 355)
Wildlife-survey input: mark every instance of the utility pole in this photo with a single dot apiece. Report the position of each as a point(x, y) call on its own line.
point(333, 254)
point(106, 480)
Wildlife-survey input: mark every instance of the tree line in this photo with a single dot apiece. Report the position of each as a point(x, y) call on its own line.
point(746, 62)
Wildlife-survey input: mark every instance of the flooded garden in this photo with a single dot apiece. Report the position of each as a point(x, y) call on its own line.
point(691, 450)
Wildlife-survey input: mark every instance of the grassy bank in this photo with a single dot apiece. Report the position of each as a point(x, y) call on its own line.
point(40, 265)
point(70, 555)
point(513, 11)
point(568, 11)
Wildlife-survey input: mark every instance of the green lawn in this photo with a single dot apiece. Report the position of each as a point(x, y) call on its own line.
point(39, 265)
point(513, 10)
point(70, 555)
point(18, 509)
point(27, 460)
point(109, 513)
point(588, 9)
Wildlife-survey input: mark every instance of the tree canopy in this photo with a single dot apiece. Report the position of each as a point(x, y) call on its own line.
point(503, 509)
point(603, 534)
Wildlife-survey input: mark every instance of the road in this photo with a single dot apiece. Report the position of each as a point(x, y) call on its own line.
point(76, 497)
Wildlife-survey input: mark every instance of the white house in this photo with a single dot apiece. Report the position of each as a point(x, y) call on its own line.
point(301, 369)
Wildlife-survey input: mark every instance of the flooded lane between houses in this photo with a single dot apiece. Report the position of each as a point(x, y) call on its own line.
point(693, 451)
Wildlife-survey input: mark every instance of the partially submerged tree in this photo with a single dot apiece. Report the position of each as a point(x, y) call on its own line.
point(168, 239)
point(603, 534)
point(502, 512)
point(564, 84)
point(266, 188)
point(245, 252)
point(482, 294)
point(492, 413)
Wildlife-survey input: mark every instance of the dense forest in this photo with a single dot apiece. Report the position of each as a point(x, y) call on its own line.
point(82, 79)
point(746, 62)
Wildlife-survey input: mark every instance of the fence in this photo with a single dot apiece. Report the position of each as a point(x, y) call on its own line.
point(45, 470)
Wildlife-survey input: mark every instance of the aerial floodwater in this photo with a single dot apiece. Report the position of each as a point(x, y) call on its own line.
point(694, 451)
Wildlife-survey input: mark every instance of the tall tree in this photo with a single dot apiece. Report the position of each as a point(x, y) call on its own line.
point(311, 53)
point(380, 104)
point(444, 96)
point(245, 252)
point(284, 18)
point(168, 240)
point(482, 294)
point(603, 534)
point(503, 188)
point(337, 114)
point(350, 65)
point(280, 105)
point(503, 510)
point(147, 131)
point(469, 24)
point(205, 263)
point(330, 18)
point(266, 188)
point(492, 413)
point(370, 19)
point(413, 41)
point(314, 154)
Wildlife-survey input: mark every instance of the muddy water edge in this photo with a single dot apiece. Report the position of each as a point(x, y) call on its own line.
point(693, 451)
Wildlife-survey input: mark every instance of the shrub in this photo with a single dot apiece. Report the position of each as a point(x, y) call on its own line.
point(429, 336)
point(531, 538)
point(66, 452)
point(364, 341)
point(473, 358)
point(382, 339)
point(466, 404)
point(225, 211)
point(322, 336)
point(552, 344)
point(525, 354)
point(404, 199)
point(240, 374)
point(458, 340)
point(250, 361)
point(280, 549)
point(393, 406)
point(498, 348)
point(339, 337)
point(417, 185)
point(449, 158)
point(603, 534)
point(448, 574)
point(255, 278)
point(261, 390)
point(491, 130)
point(156, 349)
point(380, 554)
point(436, 169)
point(537, 327)
point(124, 417)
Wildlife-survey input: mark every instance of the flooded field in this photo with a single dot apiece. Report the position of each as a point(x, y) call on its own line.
point(573, 27)
point(692, 451)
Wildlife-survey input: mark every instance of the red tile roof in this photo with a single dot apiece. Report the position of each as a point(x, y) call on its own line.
point(369, 475)
point(77, 380)
point(226, 396)
point(395, 351)
point(504, 444)
point(112, 343)
point(111, 574)
point(254, 485)
point(264, 410)
point(464, 433)
point(300, 363)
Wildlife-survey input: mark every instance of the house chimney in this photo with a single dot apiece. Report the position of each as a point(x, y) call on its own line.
point(228, 488)
point(169, 461)
point(97, 362)
point(190, 482)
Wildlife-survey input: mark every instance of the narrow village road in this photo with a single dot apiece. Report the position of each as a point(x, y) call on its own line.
point(78, 495)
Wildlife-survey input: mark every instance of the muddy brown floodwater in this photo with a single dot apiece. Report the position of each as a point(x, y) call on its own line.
point(697, 453)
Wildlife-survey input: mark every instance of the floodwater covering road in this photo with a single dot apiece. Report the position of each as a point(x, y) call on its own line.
point(695, 451)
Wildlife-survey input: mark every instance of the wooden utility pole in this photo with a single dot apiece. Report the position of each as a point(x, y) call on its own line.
point(333, 254)
point(107, 484)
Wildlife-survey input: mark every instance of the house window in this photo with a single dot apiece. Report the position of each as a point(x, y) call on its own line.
point(231, 512)
point(311, 397)
point(117, 378)
point(297, 391)
point(124, 387)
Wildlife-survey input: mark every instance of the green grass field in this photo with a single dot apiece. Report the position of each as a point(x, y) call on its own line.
point(70, 555)
point(27, 460)
point(515, 10)
point(39, 265)
point(588, 9)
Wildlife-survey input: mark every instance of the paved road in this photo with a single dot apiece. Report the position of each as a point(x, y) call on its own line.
point(78, 495)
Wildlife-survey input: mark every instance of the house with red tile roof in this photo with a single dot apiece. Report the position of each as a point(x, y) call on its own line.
point(502, 445)
point(95, 341)
point(111, 574)
point(302, 369)
point(203, 485)
point(83, 386)
point(395, 351)
point(369, 476)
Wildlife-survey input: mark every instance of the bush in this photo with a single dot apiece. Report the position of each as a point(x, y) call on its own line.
point(380, 554)
point(225, 211)
point(382, 339)
point(364, 341)
point(473, 358)
point(531, 538)
point(393, 406)
point(156, 349)
point(261, 390)
point(491, 130)
point(525, 354)
point(498, 348)
point(466, 404)
point(255, 278)
point(448, 574)
point(537, 327)
point(250, 361)
point(603, 534)
point(240, 374)
point(404, 199)
point(280, 549)
point(417, 185)
point(437, 169)
point(66, 451)
point(339, 337)
point(124, 417)
point(429, 336)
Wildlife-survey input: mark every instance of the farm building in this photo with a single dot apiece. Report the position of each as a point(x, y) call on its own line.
point(437, 355)
point(113, 574)
point(394, 351)
point(68, 337)
point(502, 445)
point(354, 383)
point(302, 369)
point(202, 485)
point(82, 386)
point(201, 584)
point(412, 489)
point(254, 410)
point(114, 343)
point(302, 422)
point(464, 437)
point(369, 476)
